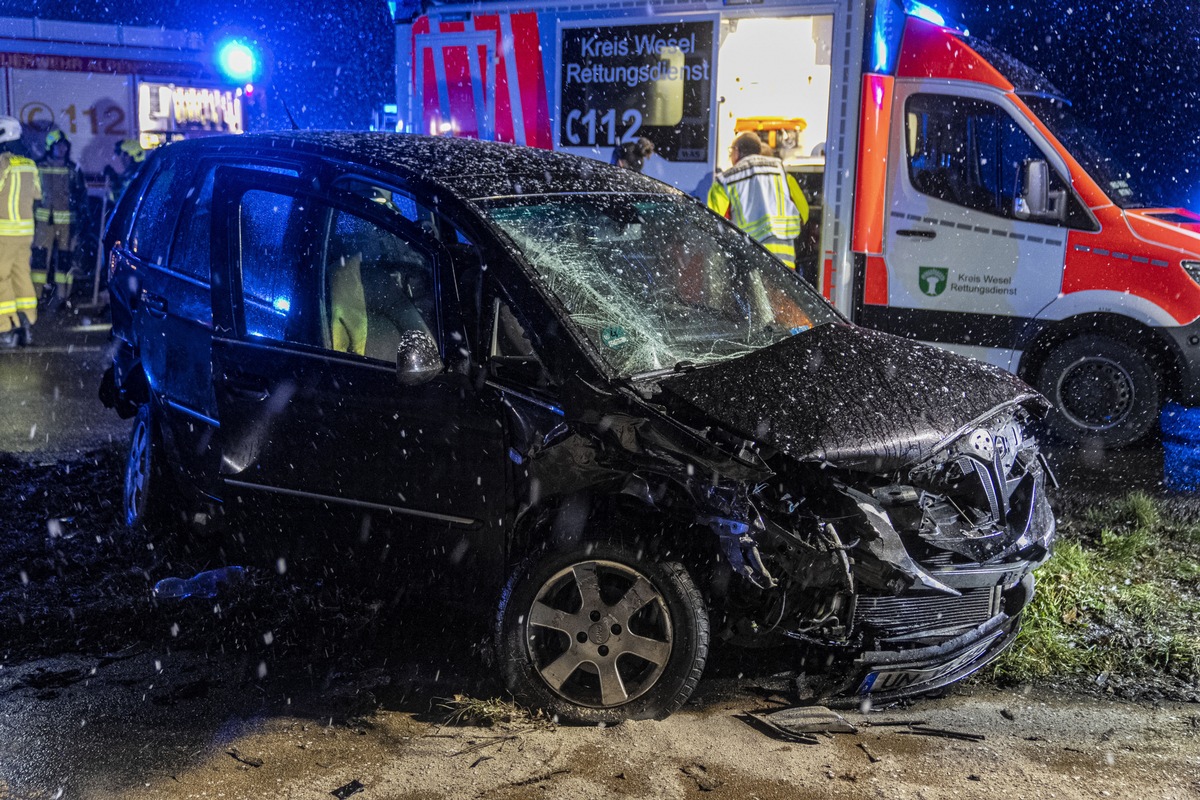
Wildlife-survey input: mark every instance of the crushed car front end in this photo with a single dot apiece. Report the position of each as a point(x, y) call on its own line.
point(940, 560)
point(899, 530)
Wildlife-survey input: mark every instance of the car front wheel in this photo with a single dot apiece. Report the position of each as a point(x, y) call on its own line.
point(601, 634)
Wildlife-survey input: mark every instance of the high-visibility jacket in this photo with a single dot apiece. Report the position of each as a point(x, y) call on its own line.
point(758, 196)
point(64, 192)
point(19, 188)
point(348, 307)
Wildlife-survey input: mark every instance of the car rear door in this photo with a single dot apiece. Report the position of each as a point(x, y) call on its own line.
point(187, 327)
point(315, 290)
point(170, 308)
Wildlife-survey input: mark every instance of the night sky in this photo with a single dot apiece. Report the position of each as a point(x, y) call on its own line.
point(1132, 69)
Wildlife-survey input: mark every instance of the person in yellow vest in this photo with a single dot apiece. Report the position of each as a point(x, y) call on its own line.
point(58, 217)
point(19, 189)
point(760, 197)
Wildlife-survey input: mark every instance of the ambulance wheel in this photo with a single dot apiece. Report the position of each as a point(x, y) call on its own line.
point(1105, 392)
point(602, 633)
point(149, 494)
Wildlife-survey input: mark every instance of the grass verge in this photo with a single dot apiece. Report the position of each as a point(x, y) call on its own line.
point(1118, 604)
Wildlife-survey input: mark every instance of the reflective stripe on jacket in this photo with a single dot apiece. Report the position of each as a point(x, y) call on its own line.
point(20, 186)
point(55, 217)
point(758, 196)
point(64, 191)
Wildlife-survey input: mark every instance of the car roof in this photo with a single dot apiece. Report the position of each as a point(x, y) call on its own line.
point(468, 168)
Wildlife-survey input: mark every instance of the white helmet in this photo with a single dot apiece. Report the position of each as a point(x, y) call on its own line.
point(10, 129)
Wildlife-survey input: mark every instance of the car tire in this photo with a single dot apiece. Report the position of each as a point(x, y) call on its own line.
point(1105, 392)
point(150, 495)
point(602, 633)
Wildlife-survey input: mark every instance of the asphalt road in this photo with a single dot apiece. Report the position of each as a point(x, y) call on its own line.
point(48, 402)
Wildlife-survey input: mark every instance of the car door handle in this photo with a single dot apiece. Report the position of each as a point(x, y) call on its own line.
point(155, 304)
point(918, 233)
point(245, 387)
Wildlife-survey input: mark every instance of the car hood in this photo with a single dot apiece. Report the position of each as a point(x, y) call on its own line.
point(852, 397)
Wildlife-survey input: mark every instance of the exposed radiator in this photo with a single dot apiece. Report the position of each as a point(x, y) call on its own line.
point(912, 616)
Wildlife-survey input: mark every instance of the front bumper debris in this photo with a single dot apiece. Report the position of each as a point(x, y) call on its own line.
point(884, 676)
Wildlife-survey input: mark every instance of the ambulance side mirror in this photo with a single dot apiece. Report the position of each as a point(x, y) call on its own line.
point(1034, 201)
point(1037, 202)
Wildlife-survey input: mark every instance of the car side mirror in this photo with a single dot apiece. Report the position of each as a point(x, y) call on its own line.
point(1037, 202)
point(417, 359)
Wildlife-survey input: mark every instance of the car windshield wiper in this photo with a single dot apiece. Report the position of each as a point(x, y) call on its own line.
point(680, 366)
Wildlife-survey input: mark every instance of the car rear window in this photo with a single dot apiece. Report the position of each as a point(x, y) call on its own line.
point(150, 237)
point(191, 251)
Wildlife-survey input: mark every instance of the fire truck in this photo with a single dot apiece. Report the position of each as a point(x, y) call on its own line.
point(956, 198)
point(101, 84)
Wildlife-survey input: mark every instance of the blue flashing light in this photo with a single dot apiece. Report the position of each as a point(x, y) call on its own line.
point(282, 304)
point(887, 23)
point(237, 61)
point(922, 11)
point(392, 8)
point(879, 51)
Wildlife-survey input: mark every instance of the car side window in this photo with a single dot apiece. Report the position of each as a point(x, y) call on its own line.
point(271, 264)
point(377, 287)
point(150, 236)
point(971, 153)
point(191, 249)
point(404, 204)
point(509, 337)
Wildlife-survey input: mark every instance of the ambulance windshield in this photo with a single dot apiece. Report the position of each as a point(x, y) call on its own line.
point(1113, 177)
point(655, 282)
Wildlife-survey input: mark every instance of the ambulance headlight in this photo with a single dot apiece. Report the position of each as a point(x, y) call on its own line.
point(1193, 269)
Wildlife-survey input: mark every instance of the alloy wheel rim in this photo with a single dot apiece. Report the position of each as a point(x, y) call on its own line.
point(136, 473)
point(1096, 393)
point(599, 634)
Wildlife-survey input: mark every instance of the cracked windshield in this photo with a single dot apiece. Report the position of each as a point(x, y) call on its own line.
point(657, 283)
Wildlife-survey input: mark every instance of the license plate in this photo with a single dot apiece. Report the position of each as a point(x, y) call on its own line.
point(892, 680)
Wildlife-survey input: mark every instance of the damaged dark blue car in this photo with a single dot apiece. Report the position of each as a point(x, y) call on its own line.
point(601, 410)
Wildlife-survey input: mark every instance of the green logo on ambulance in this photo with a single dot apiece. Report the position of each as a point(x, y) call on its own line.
point(932, 280)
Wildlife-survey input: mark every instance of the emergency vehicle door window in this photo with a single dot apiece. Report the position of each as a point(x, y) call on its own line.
point(151, 233)
point(190, 252)
point(971, 153)
point(272, 261)
point(377, 287)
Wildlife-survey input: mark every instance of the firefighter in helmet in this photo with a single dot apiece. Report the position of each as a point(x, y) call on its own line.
point(59, 216)
point(131, 154)
point(20, 187)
